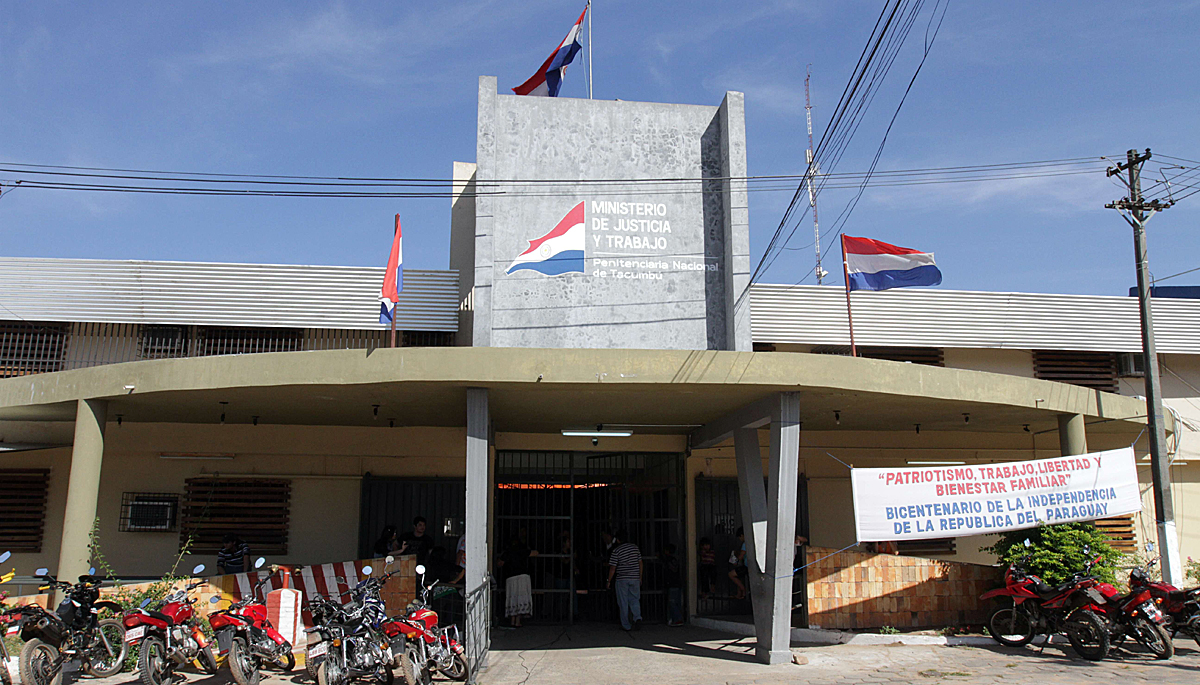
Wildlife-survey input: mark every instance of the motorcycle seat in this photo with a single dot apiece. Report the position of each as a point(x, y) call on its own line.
point(160, 616)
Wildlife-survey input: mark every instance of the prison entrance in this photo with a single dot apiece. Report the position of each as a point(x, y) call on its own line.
point(560, 504)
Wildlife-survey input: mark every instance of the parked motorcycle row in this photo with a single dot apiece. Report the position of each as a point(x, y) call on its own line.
point(351, 641)
point(1093, 615)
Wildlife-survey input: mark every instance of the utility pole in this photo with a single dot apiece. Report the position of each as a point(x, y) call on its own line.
point(1137, 211)
point(812, 172)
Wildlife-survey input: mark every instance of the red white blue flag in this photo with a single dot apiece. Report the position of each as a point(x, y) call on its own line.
point(548, 78)
point(558, 252)
point(876, 265)
point(393, 280)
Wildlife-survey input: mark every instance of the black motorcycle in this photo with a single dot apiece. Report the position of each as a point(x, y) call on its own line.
point(72, 635)
point(359, 646)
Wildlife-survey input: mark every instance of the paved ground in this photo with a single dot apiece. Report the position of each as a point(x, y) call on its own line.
point(657, 655)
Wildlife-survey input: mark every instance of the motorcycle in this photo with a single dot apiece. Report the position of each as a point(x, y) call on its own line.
point(428, 648)
point(1182, 607)
point(6, 616)
point(247, 638)
point(169, 636)
point(358, 644)
point(1040, 609)
point(325, 612)
point(71, 635)
point(1133, 615)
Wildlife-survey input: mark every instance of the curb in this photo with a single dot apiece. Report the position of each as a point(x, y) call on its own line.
point(838, 637)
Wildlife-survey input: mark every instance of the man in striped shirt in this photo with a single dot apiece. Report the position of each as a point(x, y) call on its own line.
point(625, 566)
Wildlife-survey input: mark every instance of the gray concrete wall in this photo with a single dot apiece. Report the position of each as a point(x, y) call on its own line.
point(462, 245)
point(663, 262)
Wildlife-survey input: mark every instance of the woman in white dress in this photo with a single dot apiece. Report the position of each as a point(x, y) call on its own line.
point(518, 587)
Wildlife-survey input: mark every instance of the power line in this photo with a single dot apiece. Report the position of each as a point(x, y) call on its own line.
point(1181, 273)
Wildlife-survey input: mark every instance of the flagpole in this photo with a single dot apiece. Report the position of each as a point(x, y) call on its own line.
point(395, 305)
point(591, 86)
point(849, 316)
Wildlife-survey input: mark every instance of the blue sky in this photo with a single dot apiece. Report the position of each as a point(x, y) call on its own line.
point(388, 89)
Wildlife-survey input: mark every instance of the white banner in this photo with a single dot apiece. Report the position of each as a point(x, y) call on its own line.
point(957, 501)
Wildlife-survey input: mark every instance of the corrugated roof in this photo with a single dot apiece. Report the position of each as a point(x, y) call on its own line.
point(270, 295)
point(957, 318)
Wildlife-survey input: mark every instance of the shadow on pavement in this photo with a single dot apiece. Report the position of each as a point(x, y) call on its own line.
point(684, 640)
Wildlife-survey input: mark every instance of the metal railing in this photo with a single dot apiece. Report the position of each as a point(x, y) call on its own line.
point(478, 622)
point(42, 347)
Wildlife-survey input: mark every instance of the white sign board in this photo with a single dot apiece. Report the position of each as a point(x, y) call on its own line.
point(957, 501)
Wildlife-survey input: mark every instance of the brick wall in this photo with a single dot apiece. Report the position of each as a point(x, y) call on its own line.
point(856, 590)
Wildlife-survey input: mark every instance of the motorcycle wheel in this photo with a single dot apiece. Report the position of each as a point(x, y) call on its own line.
point(411, 669)
point(208, 660)
point(1011, 627)
point(5, 678)
point(287, 662)
point(384, 675)
point(330, 673)
point(152, 661)
point(1088, 635)
point(459, 670)
point(311, 665)
point(242, 663)
point(108, 655)
point(1154, 638)
point(35, 664)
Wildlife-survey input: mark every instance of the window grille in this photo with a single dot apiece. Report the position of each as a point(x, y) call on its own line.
point(255, 509)
point(146, 512)
point(27, 347)
point(216, 340)
point(164, 342)
point(428, 339)
point(1096, 370)
point(23, 508)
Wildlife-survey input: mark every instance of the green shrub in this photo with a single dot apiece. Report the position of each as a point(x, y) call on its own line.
point(1056, 552)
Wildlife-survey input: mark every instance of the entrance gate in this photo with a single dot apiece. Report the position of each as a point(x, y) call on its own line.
point(561, 503)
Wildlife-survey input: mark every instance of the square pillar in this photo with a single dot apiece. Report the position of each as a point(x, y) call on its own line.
point(769, 516)
point(1072, 436)
point(83, 489)
point(479, 486)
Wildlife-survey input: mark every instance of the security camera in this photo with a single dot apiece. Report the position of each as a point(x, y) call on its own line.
point(595, 441)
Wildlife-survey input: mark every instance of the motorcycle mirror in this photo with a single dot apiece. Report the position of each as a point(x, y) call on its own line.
point(42, 571)
point(389, 559)
point(1149, 549)
point(259, 562)
point(92, 571)
point(145, 603)
point(367, 570)
point(1027, 543)
point(420, 569)
point(198, 570)
point(4, 557)
point(214, 599)
point(340, 580)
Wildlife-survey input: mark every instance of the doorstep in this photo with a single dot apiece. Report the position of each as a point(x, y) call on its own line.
point(841, 637)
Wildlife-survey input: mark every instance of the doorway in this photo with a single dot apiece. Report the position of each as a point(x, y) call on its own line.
point(561, 503)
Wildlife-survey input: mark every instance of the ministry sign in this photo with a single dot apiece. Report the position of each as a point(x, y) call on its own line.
point(956, 501)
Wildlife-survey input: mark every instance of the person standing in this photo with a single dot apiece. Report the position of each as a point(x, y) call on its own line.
point(673, 581)
point(518, 586)
point(234, 555)
point(417, 541)
point(625, 567)
point(737, 561)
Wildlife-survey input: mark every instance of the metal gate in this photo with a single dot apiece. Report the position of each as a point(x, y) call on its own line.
point(562, 503)
point(718, 516)
point(396, 501)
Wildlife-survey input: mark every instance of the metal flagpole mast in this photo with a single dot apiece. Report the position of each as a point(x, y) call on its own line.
point(849, 316)
point(591, 86)
point(1137, 211)
point(395, 305)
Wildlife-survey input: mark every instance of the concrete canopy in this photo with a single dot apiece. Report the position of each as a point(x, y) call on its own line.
point(545, 391)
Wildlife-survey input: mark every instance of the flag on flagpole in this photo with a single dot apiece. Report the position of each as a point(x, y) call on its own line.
point(548, 78)
point(876, 265)
point(393, 280)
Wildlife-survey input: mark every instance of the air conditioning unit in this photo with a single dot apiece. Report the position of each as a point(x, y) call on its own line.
point(1129, 365)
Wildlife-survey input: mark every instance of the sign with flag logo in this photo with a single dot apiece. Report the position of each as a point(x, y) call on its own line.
point(558, 252)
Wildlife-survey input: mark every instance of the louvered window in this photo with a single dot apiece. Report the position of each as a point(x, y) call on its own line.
point(1120, 530)
point(934, 546)
point(930, 356)
point(255, 509)
point(23, 508)
point(1096, 370)
point(27, 348)
point(164, 342)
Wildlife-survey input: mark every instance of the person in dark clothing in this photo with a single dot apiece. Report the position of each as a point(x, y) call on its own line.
point(737, 560)
point(706, 569)
point(518, 586)
point(417, 541)
point(387, 542)
point(234, 555)
point(673, 582)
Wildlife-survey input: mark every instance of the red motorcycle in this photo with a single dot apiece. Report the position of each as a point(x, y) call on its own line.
point(1134, 615)
point(247, 638)
point(1182, 607)
point(428, 648)
point(1040, 609)
point(169, 635)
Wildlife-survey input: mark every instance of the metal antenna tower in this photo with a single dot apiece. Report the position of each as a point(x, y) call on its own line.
point(812, 172)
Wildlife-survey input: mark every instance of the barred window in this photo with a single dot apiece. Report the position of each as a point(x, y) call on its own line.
point(27, 347)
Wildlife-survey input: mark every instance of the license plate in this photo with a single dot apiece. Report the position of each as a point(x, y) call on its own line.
point(13, 629)
point(318, 650)
point(135, 634)
point(1152, 611)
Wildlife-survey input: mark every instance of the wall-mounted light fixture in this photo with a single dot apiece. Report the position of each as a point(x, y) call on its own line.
point(600, 432)
point(966, 418)
point(130, 387)
point(120, 417)
point(254, 419)
point(918, 428)
point(837, 416)
point(223, 405)
point(1026, 428)
point(374, 411)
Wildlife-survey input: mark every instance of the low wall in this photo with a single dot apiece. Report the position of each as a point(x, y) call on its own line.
point(856, 590)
